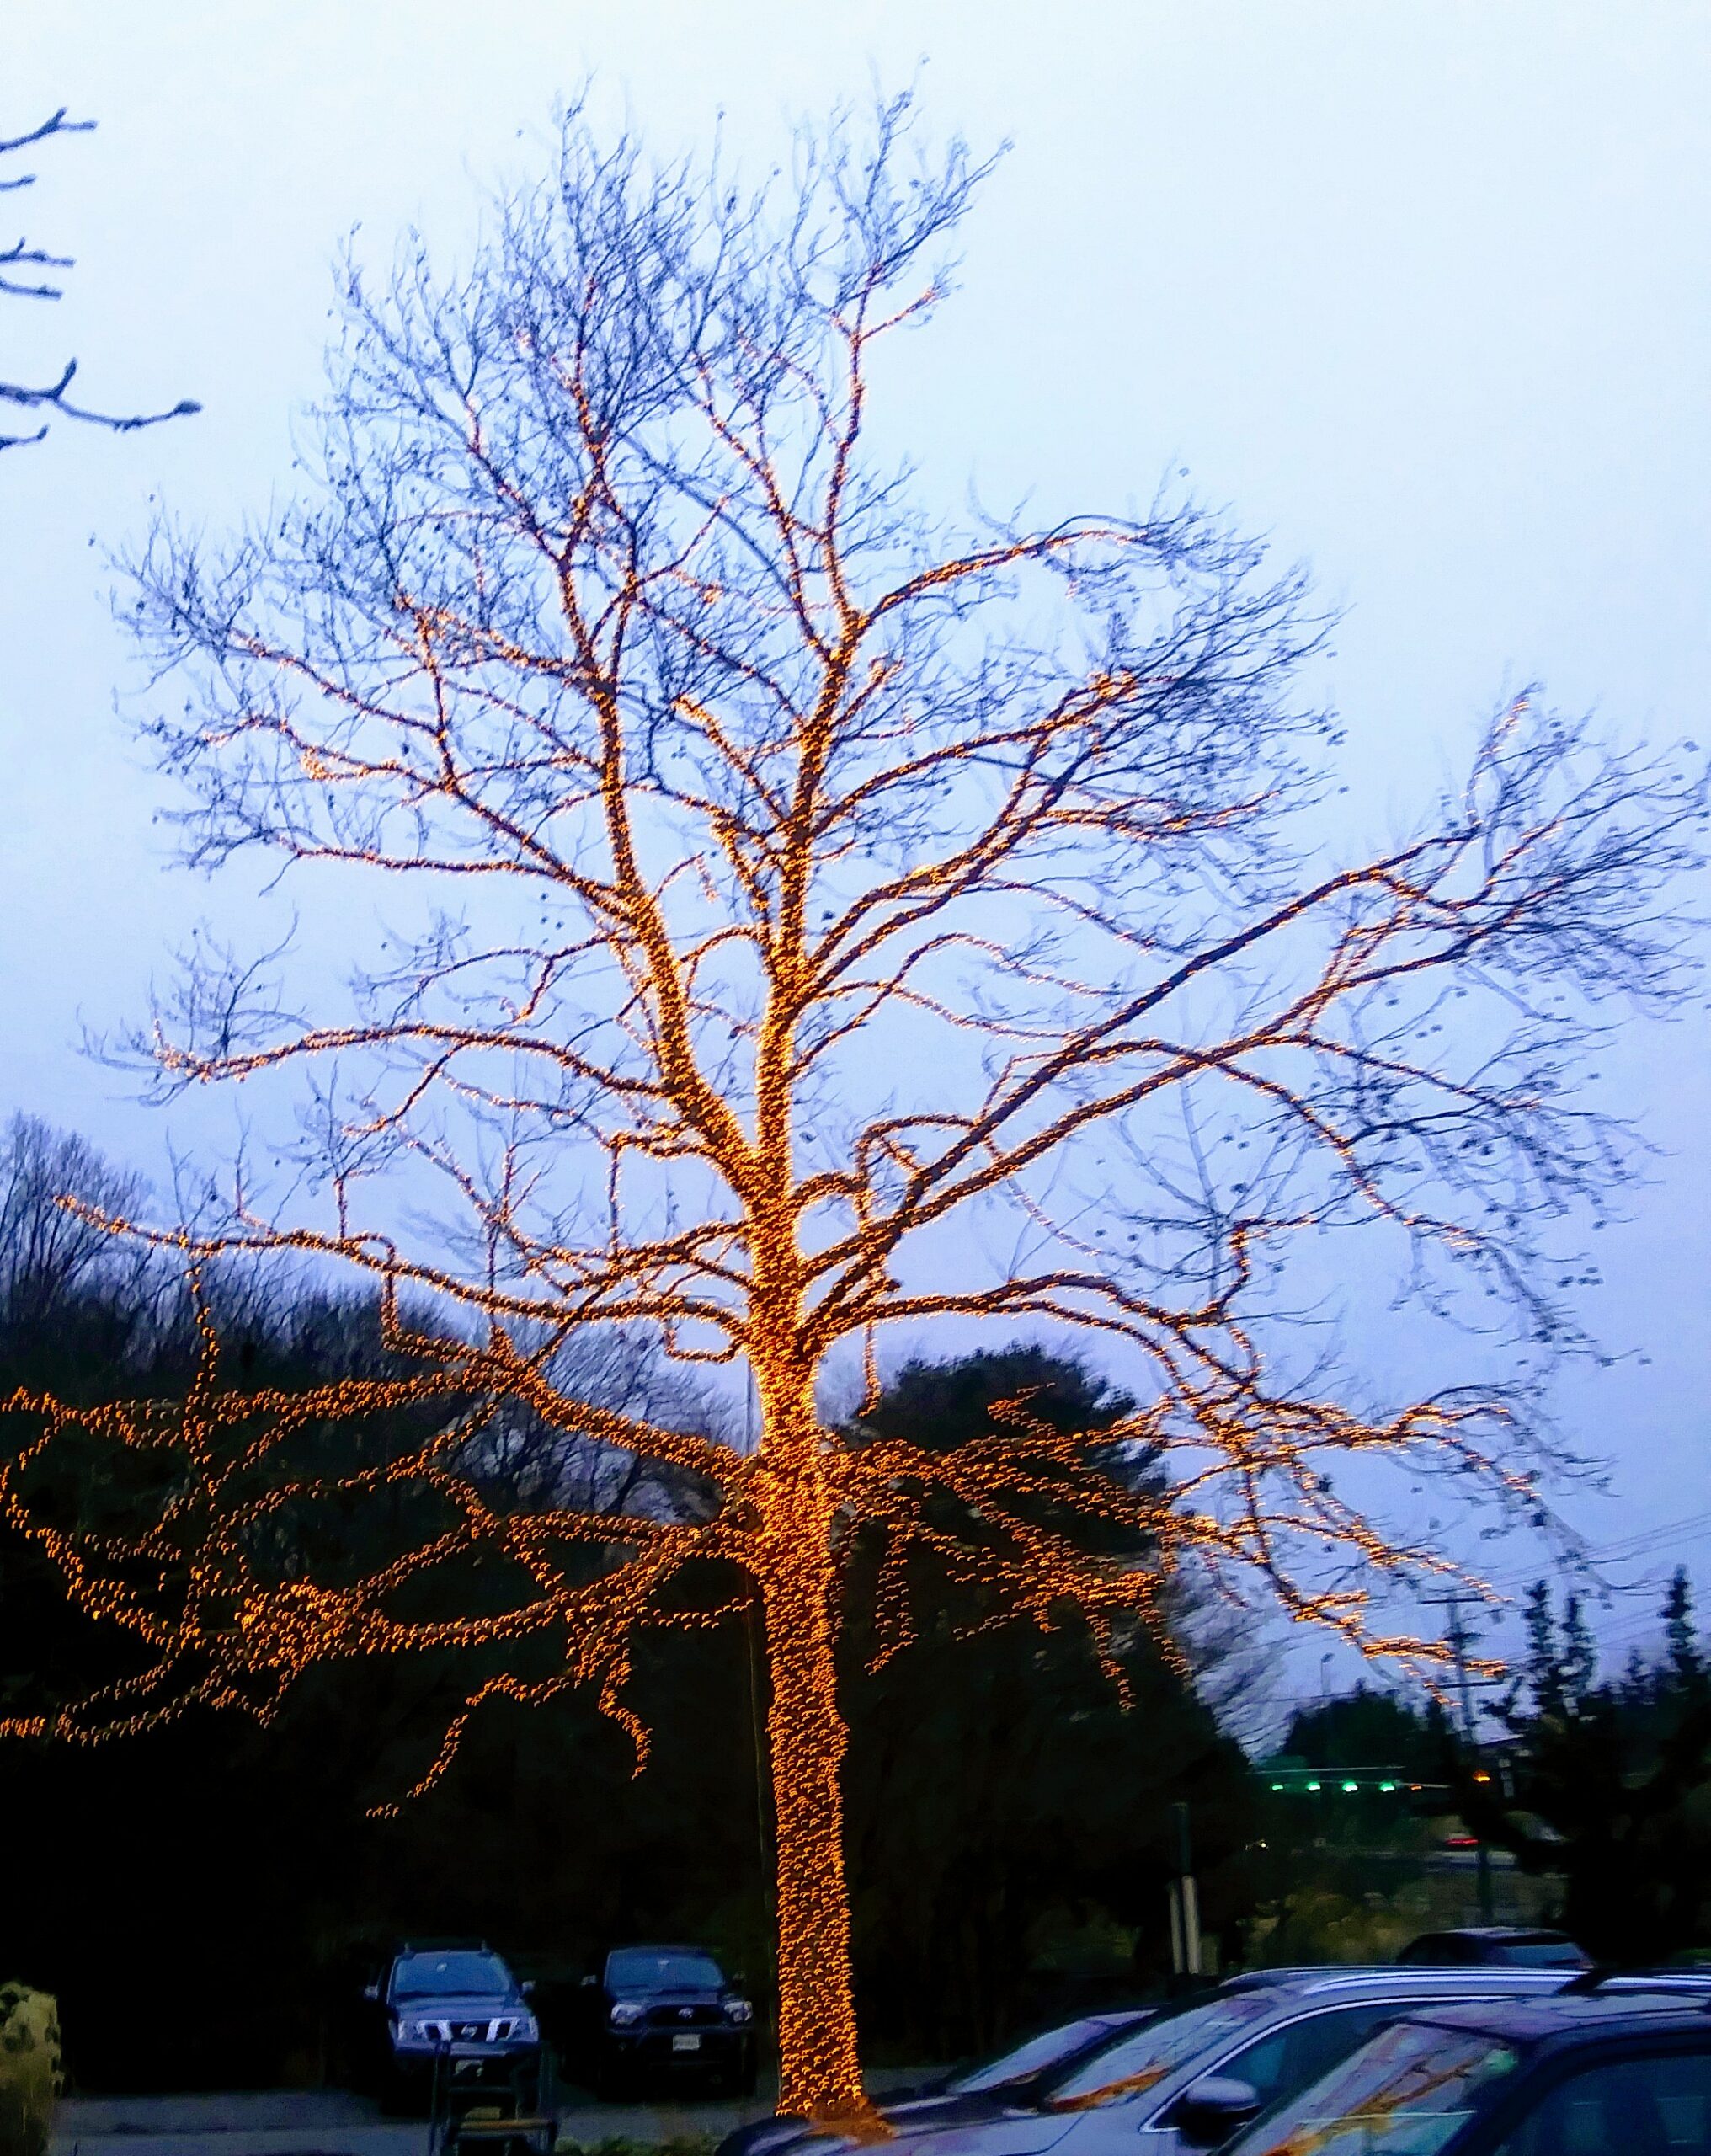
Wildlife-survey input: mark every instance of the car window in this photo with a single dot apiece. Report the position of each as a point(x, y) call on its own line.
point(1659, 2105)
point(1404, 2093)
point(1442, 1950)
point(1033, 2057)
point(1137, 2061)
point(444, 1976)
point(1288, 2059)
point(633, 1970)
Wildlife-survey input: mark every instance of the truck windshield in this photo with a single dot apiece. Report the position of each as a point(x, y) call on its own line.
point(446, 1976)
point(637, 1970)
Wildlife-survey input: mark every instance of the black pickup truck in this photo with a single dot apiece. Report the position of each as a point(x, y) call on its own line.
point(658, 2014)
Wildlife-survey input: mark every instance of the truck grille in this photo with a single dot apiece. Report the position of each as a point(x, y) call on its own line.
point(470, 2032)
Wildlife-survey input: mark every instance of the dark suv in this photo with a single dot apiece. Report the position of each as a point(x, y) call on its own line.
point(655, 2012)
point(456, 2011)
point(1495, 1946)
point(1601, 2072)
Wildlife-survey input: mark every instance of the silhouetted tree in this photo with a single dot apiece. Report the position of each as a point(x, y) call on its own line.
point(1369, 1728)
point(1609, 1784)
point(996, 1784)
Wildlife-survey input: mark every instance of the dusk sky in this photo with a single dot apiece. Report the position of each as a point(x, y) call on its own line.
point(1423, 291)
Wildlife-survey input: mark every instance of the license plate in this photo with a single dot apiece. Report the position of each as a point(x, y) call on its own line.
point(685, 2043)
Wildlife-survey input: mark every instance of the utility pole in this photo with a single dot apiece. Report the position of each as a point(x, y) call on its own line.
point(1185, 1901)
point(1459, 1648)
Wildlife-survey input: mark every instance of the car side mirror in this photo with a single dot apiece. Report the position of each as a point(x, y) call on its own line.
point(1212, 2109)
point(372, 1991)
point(527, 1987)
point(588, 1984)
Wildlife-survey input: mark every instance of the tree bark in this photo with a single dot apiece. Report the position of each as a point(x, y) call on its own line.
point(820, 2070)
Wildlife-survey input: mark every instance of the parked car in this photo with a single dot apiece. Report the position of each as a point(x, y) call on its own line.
point(1619, 2071)
point(1020, 2078)
point(1495, 1946)
point(456, 2007)
point(664, 2012)
point(1166, 2085)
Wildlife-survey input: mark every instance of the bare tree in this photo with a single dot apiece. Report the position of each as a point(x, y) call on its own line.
point(522, 1461)
point(26, 272)
point(831, 920)
point(50, 1255)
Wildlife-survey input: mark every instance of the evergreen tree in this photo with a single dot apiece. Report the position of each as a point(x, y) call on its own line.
point(1609, 1784)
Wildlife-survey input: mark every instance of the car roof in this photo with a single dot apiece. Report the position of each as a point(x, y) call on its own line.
point(1384, 1980)
point(661, 1946)
point(1294, 1972)
point(1504, 1931)
point(1666, 2004)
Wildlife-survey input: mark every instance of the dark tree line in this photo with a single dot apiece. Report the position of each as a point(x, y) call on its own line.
point(1607, 1781)
point(1598, 1784)
point(1003, 1809)
point(1008, 1820)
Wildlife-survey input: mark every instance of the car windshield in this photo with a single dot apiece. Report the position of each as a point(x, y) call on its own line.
point(650, 1969)
point(1403, 2093)
point(1144, 2056)
point(446, 1976)
point(1033, 2057)
point(1544, 1953)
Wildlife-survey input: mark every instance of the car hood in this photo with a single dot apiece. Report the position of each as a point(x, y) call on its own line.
point(464, 2006)
point(989, 2133)
point(911, 2115)
point(678, 1995)
point(919, 2115)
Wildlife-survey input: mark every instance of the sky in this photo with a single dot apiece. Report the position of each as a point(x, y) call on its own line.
point(1422, 290)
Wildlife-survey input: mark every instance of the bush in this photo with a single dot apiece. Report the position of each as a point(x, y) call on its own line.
point(30, 2079)
point(678, 2144)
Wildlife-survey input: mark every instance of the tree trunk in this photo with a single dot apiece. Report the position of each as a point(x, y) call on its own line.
point(820, 2065)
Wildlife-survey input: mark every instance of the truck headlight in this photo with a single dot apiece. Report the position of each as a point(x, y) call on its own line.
point(526, 2029)
point(625, 2013)
point(738, 2010)
point(414, 2032)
